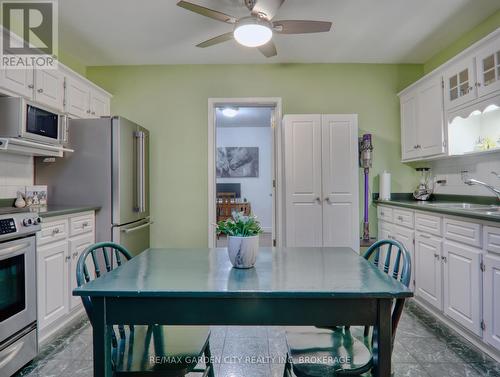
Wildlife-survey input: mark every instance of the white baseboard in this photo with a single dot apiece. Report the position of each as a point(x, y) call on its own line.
point(47, 334)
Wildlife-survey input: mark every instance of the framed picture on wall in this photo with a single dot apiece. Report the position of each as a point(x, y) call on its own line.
point(237, 162)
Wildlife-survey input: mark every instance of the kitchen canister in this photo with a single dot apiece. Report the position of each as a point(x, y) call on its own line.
point(385, 186)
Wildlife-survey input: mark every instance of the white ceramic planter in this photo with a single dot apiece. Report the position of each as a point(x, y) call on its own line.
point(243, 251)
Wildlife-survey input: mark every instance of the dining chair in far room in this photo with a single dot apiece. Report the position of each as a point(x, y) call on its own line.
point(154, 350)
point(336, 351)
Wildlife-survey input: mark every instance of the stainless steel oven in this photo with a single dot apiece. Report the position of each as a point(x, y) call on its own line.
point(23, 119)
point(18, 309)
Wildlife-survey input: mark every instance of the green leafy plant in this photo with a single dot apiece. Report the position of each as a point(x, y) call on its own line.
point(239, 225)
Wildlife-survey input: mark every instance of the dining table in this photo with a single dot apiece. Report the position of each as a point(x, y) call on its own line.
point(288, 286)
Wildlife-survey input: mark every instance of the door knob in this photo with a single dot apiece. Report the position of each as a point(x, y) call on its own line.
point(327, 199)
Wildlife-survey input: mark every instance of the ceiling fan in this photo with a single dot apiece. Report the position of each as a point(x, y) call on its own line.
point(257, 29)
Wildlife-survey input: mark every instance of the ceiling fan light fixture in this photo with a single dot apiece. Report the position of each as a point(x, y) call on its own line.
point(252, 32)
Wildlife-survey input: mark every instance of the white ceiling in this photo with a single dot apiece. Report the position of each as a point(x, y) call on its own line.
point(118, 32)
point(246, 117)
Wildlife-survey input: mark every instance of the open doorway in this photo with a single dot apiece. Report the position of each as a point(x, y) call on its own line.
point(243, 169)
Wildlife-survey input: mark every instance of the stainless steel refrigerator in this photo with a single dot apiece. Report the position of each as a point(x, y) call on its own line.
point(109, 168)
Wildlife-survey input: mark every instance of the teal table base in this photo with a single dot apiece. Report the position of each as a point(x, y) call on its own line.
point(242, 312)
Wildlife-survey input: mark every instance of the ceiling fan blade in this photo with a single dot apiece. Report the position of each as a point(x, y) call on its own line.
point(301, 26)
point(219, 16)
point(216, 40)
point(267, 8)
point(268, 50)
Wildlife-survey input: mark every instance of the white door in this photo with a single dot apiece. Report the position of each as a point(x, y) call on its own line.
point(77, 98)
point(409, 139)
point(303, 180)
point(488, 68)
point(76, 247)
point(99, 104)
point(459, 83)
point(52, 282)
point(339, 140)
point(49, 88)
point(406, 237)
point(430, 117)
point(462, 285)
point(491, 283)
point(19, 81)
point(428, 269)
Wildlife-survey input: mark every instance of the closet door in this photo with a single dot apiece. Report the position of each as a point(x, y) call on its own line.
point(339, 135)
point(303, 180)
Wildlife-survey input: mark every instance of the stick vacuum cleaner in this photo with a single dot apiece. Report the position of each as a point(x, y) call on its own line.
point(365, 162)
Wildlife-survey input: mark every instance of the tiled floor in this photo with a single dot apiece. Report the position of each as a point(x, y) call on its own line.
point(424, 347)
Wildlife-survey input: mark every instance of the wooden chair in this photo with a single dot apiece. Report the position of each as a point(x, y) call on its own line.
point(321, 352)
point(167, 351)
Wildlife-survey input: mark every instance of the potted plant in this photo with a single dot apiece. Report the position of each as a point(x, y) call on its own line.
point(243, 239)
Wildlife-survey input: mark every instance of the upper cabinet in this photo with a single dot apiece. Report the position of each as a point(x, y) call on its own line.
point(460, 83)
point(422, 120)
point(49, 88)
point(488, 68)
point(452, 110)
point(60, 89)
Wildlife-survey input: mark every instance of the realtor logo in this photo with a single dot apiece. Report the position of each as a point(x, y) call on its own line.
point(29, 37)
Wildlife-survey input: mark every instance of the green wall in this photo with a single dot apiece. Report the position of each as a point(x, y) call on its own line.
point(171, 101)
point(484, 28)
point(73, 63)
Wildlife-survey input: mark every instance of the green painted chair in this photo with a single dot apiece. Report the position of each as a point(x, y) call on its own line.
point(338, 351)
point(166, 351)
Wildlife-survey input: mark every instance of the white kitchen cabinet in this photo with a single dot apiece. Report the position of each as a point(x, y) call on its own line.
point(463, 231)
point(52, 269)
point(460, 83)
point(99, 104)
point(491, 291)
point(430, 117)
point(77, 97)
point(49, 88)
point(491, 239)
point(428, 271)
point(422, 120)
point(406, 237)
point(321, 180)
point(18, 81)
point(76, 247)
point(60, 243)
point(488, 68)
point(409, 138)
point(462, 288)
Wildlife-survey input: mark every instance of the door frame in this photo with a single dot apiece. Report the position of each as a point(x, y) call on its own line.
point(275, 102)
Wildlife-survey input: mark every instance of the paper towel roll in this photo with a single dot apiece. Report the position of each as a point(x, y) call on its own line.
point(385, 186)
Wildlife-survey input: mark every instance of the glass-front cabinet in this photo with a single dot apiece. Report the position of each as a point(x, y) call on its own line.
point(488, 68)
point(460, 84)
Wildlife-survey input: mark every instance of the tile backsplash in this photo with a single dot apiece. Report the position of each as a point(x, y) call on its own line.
point(16, 172)
point(478, 167)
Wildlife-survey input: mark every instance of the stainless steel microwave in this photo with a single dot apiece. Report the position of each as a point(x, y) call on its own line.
point(20, 118)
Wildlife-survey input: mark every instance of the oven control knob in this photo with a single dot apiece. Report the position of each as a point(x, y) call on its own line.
point(27, 222)
point(38, 220)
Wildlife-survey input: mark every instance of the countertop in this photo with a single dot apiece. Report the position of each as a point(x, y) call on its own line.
point(433, 206)
point(61, 210)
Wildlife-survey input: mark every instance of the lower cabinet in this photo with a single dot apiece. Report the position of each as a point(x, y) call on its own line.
point(491, 294)
point(406, 237)
point(57, 258)
point(462, 288)
point(52, 269)
point(428, 270)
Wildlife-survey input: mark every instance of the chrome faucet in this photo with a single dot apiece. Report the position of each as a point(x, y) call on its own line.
point(472, 181)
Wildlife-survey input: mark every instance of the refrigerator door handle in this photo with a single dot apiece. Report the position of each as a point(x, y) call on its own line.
point(130, 230)
point(140, 194)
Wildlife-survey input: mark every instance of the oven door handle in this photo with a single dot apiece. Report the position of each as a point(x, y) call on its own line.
point(13, 251)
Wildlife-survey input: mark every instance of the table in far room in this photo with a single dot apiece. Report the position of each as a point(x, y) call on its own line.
point(288, 286)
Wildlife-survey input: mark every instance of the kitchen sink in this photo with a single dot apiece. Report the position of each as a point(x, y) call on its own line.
point(464, 206)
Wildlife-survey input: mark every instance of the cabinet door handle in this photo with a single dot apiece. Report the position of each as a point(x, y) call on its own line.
point(55, 231)
point(68, 258)
point(400, 218)
point(40, 90)
point(382, 213)
point(478, 84)
point(31, 86)
point(93, 112)
point(436, 256)
point(75, 254)
point(85, 224)
point(88, 111)
point(444, 259)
